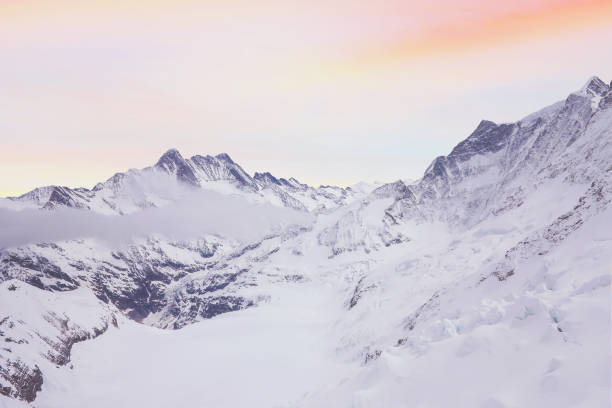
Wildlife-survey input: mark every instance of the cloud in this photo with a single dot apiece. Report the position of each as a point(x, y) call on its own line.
point(197, 214)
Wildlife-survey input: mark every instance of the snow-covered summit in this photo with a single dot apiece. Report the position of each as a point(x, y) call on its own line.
point(168, 179)
point(595, 87)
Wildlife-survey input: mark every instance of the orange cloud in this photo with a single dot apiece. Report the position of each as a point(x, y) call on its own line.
point(494, 30)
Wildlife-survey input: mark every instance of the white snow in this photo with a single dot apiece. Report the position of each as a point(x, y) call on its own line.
point(491, 290)
point(259, 357)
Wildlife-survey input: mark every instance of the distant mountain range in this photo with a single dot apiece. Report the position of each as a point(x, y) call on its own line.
point(500, 253)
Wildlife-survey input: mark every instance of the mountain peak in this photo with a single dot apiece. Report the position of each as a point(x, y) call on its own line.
point(225, 157)
point(488, 137)
point(484, 124)
point(173, 163)
point(595, 87)
point(266, 178)
point(171, 156)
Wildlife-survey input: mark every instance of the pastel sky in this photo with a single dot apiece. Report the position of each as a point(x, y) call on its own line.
point(327, 91)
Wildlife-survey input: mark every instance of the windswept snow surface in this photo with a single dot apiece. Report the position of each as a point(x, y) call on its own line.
point(259, 357)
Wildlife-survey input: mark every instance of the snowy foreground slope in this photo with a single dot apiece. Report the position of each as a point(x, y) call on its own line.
point(486, 283)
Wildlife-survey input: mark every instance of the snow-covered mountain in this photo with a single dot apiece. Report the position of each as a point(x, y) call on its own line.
point(488, 279)
point(172, 176)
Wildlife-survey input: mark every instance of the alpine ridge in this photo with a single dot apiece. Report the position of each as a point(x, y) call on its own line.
point(489, 278)
point(168, 179)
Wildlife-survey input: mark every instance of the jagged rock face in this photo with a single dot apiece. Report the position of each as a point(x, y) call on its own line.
point(265, 179)
point(23, 382)
point(133, 279)
point(398, 190)
point(487, 138)
point(53, 197)
point(595, 87)
point(172, 162)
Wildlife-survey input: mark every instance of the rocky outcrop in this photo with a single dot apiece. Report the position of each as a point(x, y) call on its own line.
point(22, 381)
point(37, 331)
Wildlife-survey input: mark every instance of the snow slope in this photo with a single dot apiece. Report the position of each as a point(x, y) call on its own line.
point(486, 283)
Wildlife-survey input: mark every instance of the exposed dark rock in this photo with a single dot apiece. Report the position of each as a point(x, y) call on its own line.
point(360, 289)
point(205, 307)
point(32, 267)
point(173, 163)
point(266, 178)
point(596, 87)
point(19, 381)
point(487, 138)
point(427, 307)
point(61, 347)
point(372, 355)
